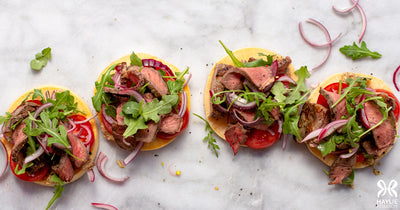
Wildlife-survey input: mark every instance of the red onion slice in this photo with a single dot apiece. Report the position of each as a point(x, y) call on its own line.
point(41, 108)
point(104, 206)
point(71, 122)
point(239, 103)
point(91, 175)
point(100, 164)
point(286, 78)
point(87, 120)
point(107, 117)
point(43, 143)
point(89, 138)
point(34, 155)
point(245, 123)
point(157, 64)
point(5, 158)
point(346, 10)
point(311, 135)
point(187, 80)
point(396, 78)
point(313, 44)
point(330, 128)
point(133, 154)
point(285, 136)
point(347, 155)
point(364, 21)
point(134, 94)
point(328, 38)
point(183, 107)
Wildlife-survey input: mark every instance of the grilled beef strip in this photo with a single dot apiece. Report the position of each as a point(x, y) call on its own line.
point(19, 114)
point(261, 76)
point(312, 117)
point(78, 150)
point(235, 135)
point(20, 139)
point(157, 85)
point(171, 123)
point(340, 109)
point(64, 168)
point(149, 134)
point(232, 81)
point(341, 168)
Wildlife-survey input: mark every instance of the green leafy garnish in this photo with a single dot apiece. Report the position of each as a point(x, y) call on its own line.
point(135, 60)
point(236, 62)
point(23, 169)
point(176, 86)
point(41, 59)
point(212, 143)
point(59, 188)
point(100, 97)
point(356, 52)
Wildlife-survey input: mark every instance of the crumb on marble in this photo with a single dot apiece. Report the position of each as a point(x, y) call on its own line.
point(162, 163)
point(58, 69)
point(120, 164)
point(290, 157)
point(216, 188)
point(251, 193)
point(163, 180)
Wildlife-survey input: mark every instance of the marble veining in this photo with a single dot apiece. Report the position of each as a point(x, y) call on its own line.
point(85, 36)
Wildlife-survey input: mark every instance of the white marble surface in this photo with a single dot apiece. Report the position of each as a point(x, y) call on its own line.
point(85, 36)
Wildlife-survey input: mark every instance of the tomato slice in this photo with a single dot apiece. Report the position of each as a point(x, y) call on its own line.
point(360, 157)
point(396, 111)
point(37, 176)
point(334, 87)
point(84, 133)
point(259, 139)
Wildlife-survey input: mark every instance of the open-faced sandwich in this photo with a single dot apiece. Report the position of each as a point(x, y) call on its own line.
point(252, 96)
point(142, 102)
point(350, 122)
point(50, 137)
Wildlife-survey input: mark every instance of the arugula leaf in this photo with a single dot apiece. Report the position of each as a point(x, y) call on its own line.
point(256, 63)
point(100, 96)
point(152, 110)
point(41, 59)
point(23, 169)
point(176, 86)
point(356, 52)
point(134, 124)
point(63, 105)
point(135, 60)
point(349, 180)
point(327, 147)
point(296, 93)
point(279, 91)
point(270, 58)
point(212, 143)
point(132, 108)
point(59, 188)
point(236, 62)
point(266, 107)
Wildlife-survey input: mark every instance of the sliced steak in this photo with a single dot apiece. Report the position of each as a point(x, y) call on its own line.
point(384, 134)
point(341, 168)
point(20, 113)
point(371, 149)
point(232, 81)
point(312, 117)
point(171, 123)
point(157, 85)
point(64, 168)
point(78, 150)
point(235, 135)
point(340, 109)
point(261, 76)
point(149, 134)
point(216, 86)
point(132, 74)
point(283, 64)
point(148, 97)
point(119, 117)
point(20, 139)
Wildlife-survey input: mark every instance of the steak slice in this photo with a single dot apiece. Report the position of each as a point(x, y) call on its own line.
point(171, 123)
point(149, 134)
point(235, 135)
point(78, 150)
point(20, 113)
point(341, 168)
point(216, 86)
point(371, 149)
point(261, 76)
point(132, 74)
point(340, 109)
point(157, 85)
point(64, 168)
point(312, 117)
point(232, 81)
point(20, 139)
point(283, 64)
point(384, 134)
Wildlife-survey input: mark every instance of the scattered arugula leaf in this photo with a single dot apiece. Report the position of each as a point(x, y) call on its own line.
point(356, 52)
point(176, 86)
point(59, 188)
point(327, 147)
point(301, 87)
point(23, 169)
point(41, 59)
point(236, 62)
point(135, 60)
point(212, 143)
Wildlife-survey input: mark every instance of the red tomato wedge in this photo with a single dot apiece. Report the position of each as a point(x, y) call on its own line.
point(37, 176)
point(259, 139)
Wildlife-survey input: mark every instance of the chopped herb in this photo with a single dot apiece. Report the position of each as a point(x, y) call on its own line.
point(135, 60)
point(235, 61)
point(59, 188)
point(212, 143)
point(41, 59)
point(99, 96)
point(356, 52)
